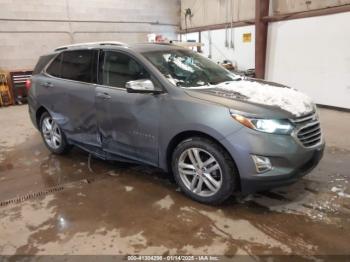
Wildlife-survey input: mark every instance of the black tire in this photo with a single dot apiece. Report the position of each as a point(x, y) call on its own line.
point(229, 173)
point(64, 147)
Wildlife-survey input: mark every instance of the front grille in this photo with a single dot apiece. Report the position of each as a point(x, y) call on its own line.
point(308, 130)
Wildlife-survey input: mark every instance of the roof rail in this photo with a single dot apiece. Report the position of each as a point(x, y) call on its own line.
point(179, 43)
point(116, 43)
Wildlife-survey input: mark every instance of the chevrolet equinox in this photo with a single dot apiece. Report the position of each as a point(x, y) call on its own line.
point(168, 107)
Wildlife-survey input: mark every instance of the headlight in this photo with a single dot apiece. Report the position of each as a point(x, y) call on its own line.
point(272, 126)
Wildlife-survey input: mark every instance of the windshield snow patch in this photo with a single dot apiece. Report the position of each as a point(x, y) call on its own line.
point(283, 97)
point(181, 64)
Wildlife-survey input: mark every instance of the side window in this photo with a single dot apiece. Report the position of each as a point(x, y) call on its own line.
point(117, 69)
point(79, 65)
point(75, 65)
point(54, 68)
point(43, 61)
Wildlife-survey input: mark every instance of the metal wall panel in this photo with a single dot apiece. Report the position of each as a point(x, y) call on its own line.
point(210, 12)
point(288, 6)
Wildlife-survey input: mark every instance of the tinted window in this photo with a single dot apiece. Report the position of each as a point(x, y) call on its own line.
point(55, 67)
point(79, 66)
point(43, 60)
point(75, 65)
point(118, 68)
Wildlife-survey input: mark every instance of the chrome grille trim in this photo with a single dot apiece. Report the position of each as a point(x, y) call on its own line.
point(303, 119)
point(313, 140)
point(310, 136)
point(308, 131)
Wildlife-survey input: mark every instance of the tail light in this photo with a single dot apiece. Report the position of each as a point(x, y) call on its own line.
point(28, 84)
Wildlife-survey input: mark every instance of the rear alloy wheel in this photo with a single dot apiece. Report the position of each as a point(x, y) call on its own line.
point(52, 135)
point(203, 170)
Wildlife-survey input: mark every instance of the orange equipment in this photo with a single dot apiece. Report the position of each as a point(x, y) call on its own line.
point(5, 93)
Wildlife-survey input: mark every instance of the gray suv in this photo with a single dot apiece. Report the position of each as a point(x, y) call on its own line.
point(168, 107)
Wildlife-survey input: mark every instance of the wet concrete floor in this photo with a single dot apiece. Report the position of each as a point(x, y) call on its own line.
point(75, 205)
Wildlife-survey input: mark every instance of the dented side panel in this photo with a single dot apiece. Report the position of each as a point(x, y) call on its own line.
point(129, 123)
point(72, 105)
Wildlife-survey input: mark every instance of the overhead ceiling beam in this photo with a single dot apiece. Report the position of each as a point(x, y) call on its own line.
point(217, 26)
point(309, 13)
point(261, 26)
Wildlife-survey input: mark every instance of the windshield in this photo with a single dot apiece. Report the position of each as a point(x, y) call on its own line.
point(185, 68)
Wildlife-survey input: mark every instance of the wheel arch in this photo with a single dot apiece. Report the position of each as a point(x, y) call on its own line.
point(187, 135)
point(38, 115)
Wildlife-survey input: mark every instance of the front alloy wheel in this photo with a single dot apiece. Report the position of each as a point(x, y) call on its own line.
point(200, 172)
point(204, 170)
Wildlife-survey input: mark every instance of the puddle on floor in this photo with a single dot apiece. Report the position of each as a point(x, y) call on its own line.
point(130, 209)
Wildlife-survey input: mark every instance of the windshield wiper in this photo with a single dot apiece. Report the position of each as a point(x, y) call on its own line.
point(223, 82)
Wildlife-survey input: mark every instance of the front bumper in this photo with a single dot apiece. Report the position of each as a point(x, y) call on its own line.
point(289, 159)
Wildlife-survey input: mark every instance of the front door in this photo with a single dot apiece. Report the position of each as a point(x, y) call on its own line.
point(128, 122)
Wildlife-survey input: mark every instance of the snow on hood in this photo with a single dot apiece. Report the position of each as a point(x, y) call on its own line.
point(286, 98)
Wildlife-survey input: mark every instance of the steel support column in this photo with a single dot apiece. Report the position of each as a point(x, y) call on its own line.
point(261, 11)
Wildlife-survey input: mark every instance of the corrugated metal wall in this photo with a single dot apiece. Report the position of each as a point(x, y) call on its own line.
point(290, 6)
point(211, 12)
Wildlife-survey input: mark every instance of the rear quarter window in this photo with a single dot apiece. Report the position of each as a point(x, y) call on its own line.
point(54, 68)
point(43, 61)
point(78, 65)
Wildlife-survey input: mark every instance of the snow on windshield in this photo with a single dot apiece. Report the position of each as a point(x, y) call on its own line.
point(182, 64)
point(287, 99)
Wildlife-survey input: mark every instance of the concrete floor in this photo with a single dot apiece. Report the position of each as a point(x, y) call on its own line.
point(66, 205)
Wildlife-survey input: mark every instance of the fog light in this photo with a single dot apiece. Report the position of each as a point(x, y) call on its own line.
point(262, 164)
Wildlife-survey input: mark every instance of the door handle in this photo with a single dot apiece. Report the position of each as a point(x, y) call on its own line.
point(103, 95)
point(47, 84)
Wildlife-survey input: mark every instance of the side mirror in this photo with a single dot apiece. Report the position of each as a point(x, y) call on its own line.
point(145, 86)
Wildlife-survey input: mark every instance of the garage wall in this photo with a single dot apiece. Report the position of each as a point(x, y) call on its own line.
point(312, 55)
point(210, 12)
point(33, 27)
point(242, 55)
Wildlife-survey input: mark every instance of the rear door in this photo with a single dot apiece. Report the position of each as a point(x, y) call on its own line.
point(68, 92)
point(128, 122)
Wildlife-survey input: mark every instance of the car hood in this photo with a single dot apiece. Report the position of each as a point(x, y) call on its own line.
point(256, 97)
